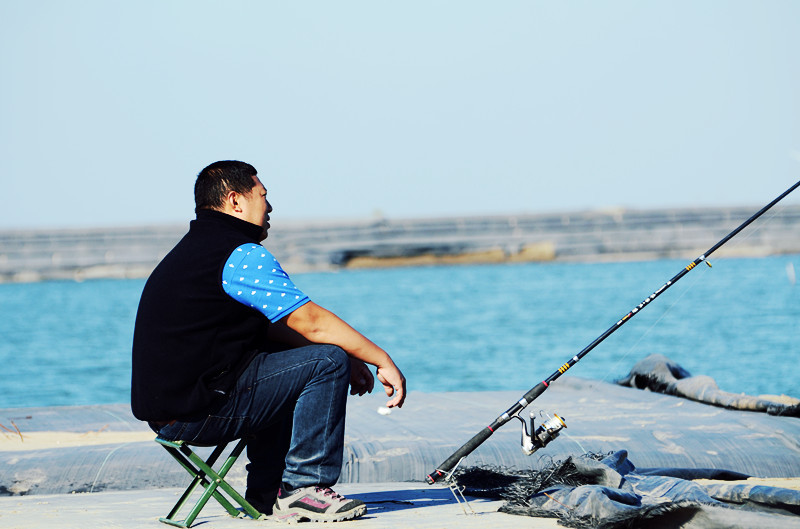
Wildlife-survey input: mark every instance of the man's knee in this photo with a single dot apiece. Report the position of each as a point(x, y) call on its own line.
point(339, 360)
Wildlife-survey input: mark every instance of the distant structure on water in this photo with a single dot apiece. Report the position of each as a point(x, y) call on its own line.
point(604, 235)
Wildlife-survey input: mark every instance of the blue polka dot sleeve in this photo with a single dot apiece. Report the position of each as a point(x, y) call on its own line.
point(253, 277)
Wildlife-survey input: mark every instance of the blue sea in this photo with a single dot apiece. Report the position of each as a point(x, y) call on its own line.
point(461, 328)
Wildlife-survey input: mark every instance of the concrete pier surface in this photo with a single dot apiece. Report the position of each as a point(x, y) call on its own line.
point(389, 506)
point(97, 466)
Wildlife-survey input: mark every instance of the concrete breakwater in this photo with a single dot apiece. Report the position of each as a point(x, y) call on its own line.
point(603, 235)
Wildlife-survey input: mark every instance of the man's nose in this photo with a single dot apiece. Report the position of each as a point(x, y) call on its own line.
point(269, 207)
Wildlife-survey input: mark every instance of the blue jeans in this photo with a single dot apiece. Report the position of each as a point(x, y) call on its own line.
point(292, 405)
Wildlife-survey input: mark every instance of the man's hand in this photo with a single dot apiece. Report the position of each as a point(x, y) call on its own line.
point(394, 383)
point(361, 379)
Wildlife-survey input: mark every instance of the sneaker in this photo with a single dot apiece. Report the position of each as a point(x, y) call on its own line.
point(316, 504)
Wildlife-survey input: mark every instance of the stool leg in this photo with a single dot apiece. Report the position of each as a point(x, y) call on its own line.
point(211, 480)
point(198, 477)
point(234, 455)
point(210, 485)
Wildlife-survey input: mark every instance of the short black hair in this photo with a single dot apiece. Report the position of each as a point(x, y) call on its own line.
point(220, 178)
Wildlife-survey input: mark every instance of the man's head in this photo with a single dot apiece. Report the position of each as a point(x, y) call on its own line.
point(233, 187)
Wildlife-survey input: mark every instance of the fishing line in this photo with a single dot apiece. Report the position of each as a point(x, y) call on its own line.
point(689, 288)
point(653, 326)
point(568, 436)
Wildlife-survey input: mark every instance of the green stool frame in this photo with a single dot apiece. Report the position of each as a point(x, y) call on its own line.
point(211, 480)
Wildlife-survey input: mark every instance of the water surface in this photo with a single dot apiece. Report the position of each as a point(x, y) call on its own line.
point(462, 328)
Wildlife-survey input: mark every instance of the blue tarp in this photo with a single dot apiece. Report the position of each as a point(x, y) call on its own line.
point(660, 374)
point(612, 494)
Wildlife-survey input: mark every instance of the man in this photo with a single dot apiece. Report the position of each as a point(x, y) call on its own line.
point(226, 346)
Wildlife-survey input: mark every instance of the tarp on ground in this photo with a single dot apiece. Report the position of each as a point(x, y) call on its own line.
point(659, 373)
point(584, 492)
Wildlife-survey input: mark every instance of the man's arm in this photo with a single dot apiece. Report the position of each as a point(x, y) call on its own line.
point(361, 379)
point(318, 325)
point(252, 276)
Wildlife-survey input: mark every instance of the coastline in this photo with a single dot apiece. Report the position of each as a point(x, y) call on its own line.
point(577, 236)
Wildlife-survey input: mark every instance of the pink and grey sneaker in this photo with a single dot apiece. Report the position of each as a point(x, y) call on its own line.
point(316, 504)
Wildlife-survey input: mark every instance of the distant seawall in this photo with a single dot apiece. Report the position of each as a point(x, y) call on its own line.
point(603, 235)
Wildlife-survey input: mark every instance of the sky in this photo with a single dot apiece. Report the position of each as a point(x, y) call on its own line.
point(365, 109)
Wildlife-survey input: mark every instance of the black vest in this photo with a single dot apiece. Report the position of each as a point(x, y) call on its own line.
point(191, 340)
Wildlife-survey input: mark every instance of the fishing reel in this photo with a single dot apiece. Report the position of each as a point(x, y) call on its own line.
point(542, 435)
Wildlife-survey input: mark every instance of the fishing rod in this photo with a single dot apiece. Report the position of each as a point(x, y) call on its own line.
point(533, 439)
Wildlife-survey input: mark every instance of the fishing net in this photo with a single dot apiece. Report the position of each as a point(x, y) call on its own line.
point(607, 492)
point(517, 486)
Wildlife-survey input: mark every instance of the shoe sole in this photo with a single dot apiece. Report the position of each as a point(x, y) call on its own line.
point(299, 515)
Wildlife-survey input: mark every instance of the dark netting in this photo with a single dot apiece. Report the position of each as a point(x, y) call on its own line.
point(607, 492)
point(517, 486)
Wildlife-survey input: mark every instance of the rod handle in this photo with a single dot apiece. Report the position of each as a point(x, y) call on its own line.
point(478, 439)
point(462, 452)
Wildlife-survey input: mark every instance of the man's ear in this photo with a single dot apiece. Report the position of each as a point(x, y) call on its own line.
point(232, 201)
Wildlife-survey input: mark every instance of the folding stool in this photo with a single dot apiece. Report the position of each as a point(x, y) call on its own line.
point(212, 481)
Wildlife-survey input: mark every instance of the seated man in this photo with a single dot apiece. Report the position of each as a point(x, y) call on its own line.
point(226, 346)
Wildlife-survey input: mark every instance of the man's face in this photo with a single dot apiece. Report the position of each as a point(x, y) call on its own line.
point(255, 206)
